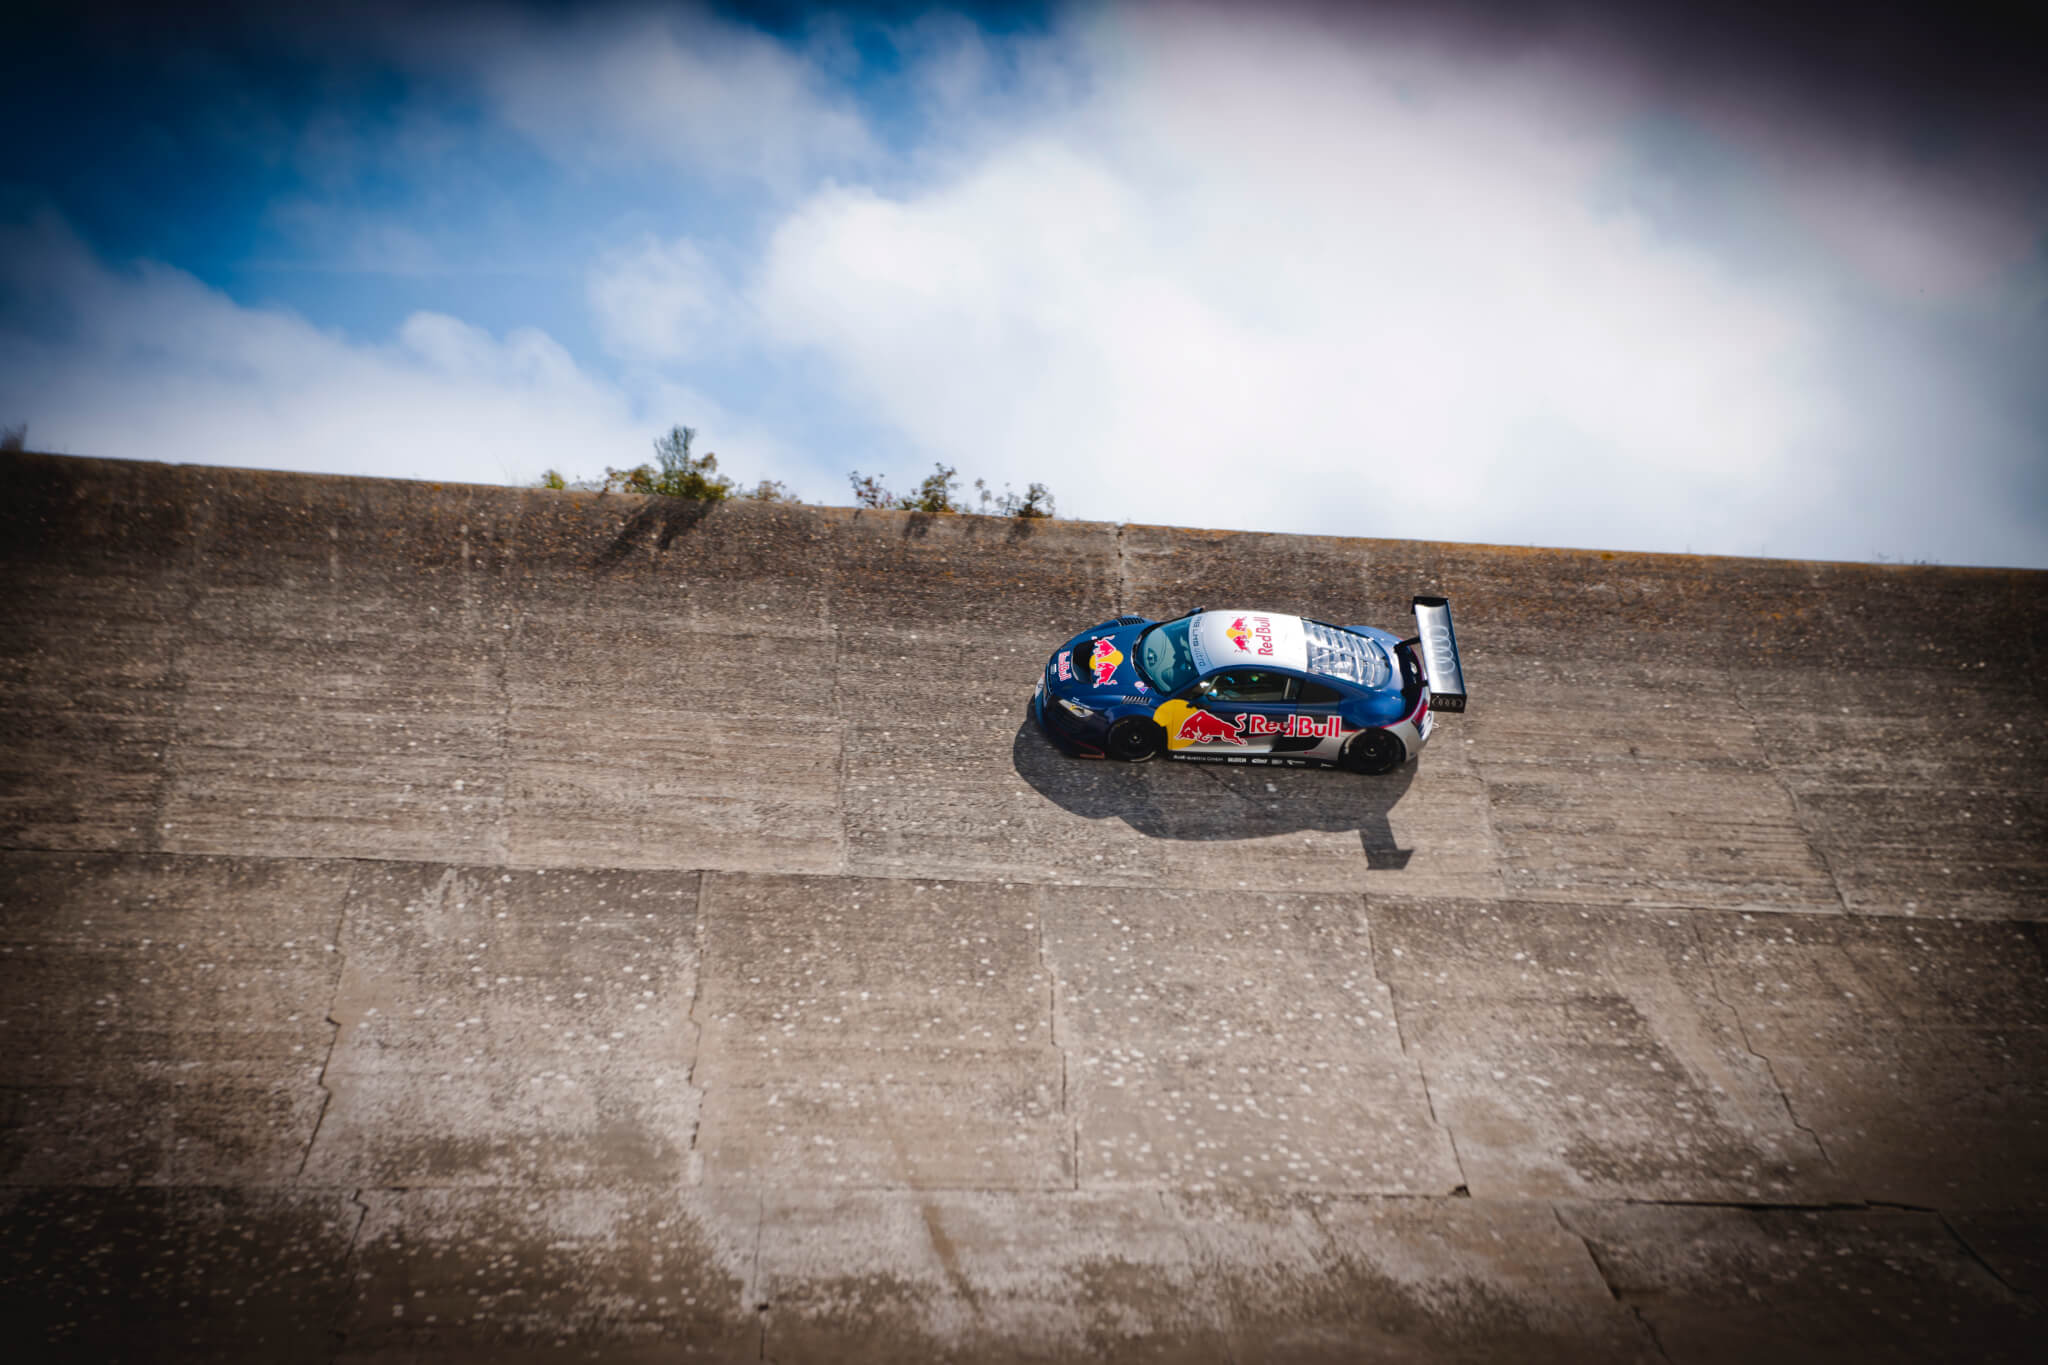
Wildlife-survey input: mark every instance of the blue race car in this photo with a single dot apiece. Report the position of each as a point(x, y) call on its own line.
point(1252, 687)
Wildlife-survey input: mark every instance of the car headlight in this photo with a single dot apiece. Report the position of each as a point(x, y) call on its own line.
point(1075, 708)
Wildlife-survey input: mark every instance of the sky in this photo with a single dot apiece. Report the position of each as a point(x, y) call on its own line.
point(1759, 281)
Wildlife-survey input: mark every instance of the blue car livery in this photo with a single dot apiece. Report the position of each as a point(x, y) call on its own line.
point(1252, 687)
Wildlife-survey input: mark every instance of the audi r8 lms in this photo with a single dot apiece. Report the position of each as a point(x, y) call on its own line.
point(1252, 687)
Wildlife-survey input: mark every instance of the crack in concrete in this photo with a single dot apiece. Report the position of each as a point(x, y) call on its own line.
point(339, 1330)
point(1742, 1032)
point(1056, 1024)
point(1635, 1311)
point(693, 1160)
point(1817, 847)
point(348, 893)
point(1401, 1036)
point(1971, 1252)
point(761, 1305)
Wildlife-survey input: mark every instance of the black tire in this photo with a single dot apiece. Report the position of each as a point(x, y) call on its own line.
point(1373, 752)
point(1134, 739)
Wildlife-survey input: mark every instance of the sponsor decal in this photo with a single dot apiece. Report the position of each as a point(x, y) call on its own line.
point(1203, 727)
point(1104, 661)
point(1294, 727)
point(1187, 726)
point(1066, 665)
point(1140, 683)
point(1253, 638)
point(1254, 760)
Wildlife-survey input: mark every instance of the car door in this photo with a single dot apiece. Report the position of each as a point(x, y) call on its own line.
point(1315, 729)
point(1251, 704)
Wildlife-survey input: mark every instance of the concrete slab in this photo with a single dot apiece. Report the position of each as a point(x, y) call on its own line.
point(1654, 834)
point(532, 1275)
point(1621, 873)
point(705, 650)
point(1848, 1285)
point(1235, 1040)
point(174, 1274)
point(2012, 1245)
point(1542, 710)
point(762, 568)
point(165, 1017)
point(341, 673)
point(584, 796)
point(1584, 1053)
point(878, 1032)
point(1921, 784)
point(94, 558)
point(971, 575)
point(1347, 1279)
point(512, 1027)
point(1898, 860)
point(1911, 1048)
point(969, 1276)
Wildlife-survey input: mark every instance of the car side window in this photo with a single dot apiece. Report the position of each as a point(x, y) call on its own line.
point(1251, 684)
point(1314, 693)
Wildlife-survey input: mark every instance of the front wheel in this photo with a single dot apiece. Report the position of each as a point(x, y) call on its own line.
point(1373, 752)
point(1135, 739)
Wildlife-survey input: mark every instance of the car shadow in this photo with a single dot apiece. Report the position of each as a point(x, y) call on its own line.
point(1169, 800)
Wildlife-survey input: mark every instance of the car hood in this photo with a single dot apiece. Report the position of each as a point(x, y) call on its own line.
point(1095, 667)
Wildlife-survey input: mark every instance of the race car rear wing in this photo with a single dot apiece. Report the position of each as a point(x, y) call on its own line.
point(1440, 654)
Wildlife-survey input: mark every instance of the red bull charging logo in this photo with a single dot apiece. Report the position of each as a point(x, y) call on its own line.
point(1104, 661)
point(1201, 727)
point(1259, 632)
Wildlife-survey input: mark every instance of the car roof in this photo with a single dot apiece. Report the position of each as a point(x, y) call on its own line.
point(1220, 638)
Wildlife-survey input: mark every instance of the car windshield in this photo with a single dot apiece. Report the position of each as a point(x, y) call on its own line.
point(1164, 657)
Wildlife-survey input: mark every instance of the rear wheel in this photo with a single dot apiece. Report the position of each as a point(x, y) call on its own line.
point(1135, 739)
point(1373, 752)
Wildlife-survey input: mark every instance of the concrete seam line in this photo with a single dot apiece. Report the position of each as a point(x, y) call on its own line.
point(1815, 846)
point(348, 1253)
point(1971, 1252)
point(694, 1159)
point(1635, 1311)
point(1053, 1024)
point(1742, 1032)
point(755, 1295)
point(1401, 1036)
point(348, 892)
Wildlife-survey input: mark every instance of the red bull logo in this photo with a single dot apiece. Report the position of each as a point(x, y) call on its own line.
point(1066, 665)
point(1201, 727)
point(1104, 661)
point(1253, 638)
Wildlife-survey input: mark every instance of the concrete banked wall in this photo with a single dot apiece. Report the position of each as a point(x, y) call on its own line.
point(471, 922)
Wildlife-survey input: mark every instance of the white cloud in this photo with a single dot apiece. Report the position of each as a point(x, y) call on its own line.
point(1186, 267)
point(660, 302)
point(149, 363)
point(677, 87)
point(1376, 295)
